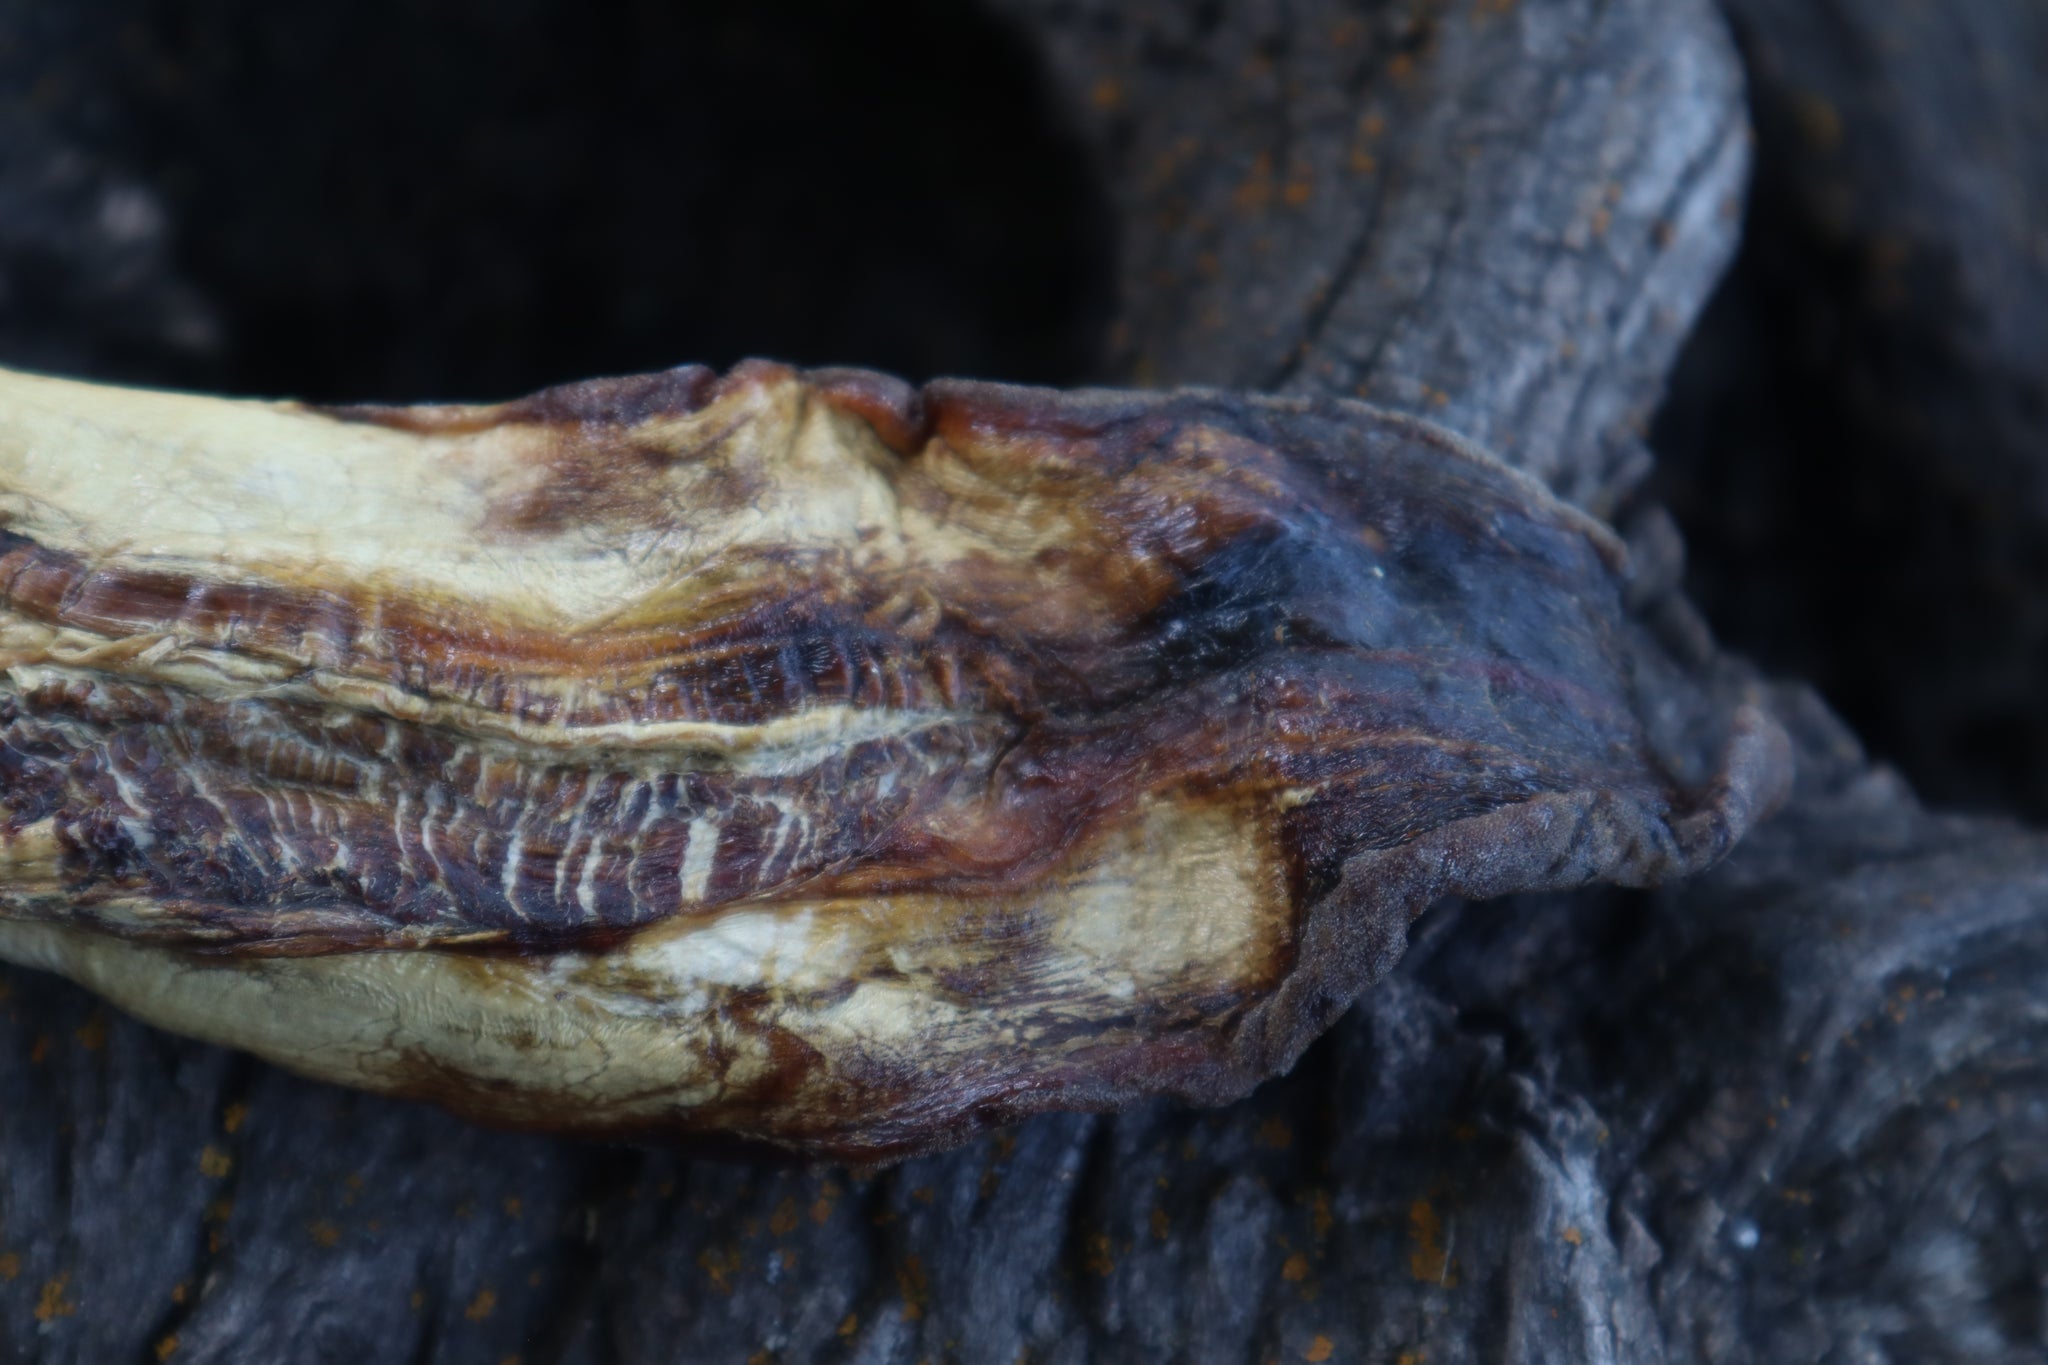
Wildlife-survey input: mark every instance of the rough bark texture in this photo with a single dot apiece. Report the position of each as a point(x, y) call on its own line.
point(1504, 216)
point(1790, 1111)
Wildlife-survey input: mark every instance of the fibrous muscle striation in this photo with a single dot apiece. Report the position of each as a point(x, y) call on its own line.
point(800, 758)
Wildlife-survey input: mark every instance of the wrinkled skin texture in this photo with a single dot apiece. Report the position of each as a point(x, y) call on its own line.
point(801, 759)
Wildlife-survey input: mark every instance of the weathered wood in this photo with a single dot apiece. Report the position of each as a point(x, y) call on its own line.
point(1503, 216)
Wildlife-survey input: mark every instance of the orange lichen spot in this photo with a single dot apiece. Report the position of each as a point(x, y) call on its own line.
point(92, 1034)
point(1321, 1219)
point(233, 1117)
point(1364, 162)
point(482, 1306)
point(1796, 1196)
point(1297, 192)
point(214, 1163)
point(1276, 1133)
point(10, 1265)
point(1161, 1224)
point(761, 1358)
point(922, 1194)
point(513, 1208)
point(1411, 1358)
point(1296, 1269)
point(1819, 121)
point(1163, 168)
point(1603, 219)
point(785, 1218)
point(821, 1210)
point(220, 1210)
point(323, 1232)
point(512, 1360)
point(1107, 94)
point(39, 1050)
point(53, 1303)
point(1575, 1237)
point(910, 1283)
point(168, 1347)
point(849, 1325)
point(1427, 1260)
point(417, 1301)
point(1255, 191)
point(1100, 1259)
point(719, 1266)
point(1401, 69)
point(1319, 1349)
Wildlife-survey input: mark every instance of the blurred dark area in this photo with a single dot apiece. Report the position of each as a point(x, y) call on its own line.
point(407, 201)
point(1856, 440)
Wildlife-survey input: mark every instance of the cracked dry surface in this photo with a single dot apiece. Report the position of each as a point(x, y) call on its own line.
point(800, 757)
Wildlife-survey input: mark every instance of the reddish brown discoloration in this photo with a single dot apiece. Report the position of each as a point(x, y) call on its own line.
point(895, 410)
point(1062, 630)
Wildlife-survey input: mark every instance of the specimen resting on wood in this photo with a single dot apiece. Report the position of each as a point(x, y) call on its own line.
point(802, 758)
point(1785, 1110)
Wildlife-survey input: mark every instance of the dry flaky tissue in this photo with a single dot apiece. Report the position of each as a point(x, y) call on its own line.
point(796, 757)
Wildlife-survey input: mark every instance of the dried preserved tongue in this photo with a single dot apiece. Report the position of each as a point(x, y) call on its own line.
point(798, 757)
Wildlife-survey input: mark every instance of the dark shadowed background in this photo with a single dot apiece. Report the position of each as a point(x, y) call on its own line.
point(1792, 1111)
